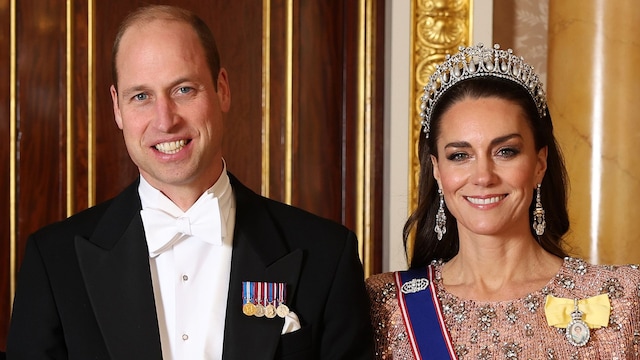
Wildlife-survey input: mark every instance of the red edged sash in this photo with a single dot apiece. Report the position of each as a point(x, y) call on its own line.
point(422, 314)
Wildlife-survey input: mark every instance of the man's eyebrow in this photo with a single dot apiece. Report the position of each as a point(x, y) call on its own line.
point(133, 90)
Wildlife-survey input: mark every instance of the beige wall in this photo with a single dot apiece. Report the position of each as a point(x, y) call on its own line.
point(593, 96)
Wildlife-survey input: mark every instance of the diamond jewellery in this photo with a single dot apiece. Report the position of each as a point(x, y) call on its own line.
point(539, 223)
point(441, 218)
point(478, 61)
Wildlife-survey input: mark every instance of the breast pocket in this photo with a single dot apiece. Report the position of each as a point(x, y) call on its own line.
point(296, 345)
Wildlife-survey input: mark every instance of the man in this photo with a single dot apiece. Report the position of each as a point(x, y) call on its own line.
point(186, 263)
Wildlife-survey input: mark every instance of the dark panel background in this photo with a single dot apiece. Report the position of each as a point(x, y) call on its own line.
point(5, 228)
point(54, 178)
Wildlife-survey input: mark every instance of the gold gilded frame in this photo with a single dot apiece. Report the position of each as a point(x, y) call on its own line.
point(438, 27)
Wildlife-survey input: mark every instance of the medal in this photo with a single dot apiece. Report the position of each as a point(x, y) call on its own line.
point(282, 310)
point(270, 310)
point(577, 332)
point(259, 300)
point(259, 310)
point(248, 308)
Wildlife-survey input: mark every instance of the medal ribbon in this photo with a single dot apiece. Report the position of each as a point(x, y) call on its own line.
point(271, 292)
point(247, 292)
point(258, 293)
point(263, 288)
point(282, 293)
point(422, 316)
point(595, 311)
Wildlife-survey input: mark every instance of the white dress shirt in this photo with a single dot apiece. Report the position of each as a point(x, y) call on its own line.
point(190, 274)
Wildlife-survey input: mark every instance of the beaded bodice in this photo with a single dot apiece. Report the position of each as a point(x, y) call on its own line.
point(517, 329)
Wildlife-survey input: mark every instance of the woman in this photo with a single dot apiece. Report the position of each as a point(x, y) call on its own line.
point(488, 277)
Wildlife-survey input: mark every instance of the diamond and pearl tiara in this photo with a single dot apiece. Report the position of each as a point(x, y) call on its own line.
point(478, 61)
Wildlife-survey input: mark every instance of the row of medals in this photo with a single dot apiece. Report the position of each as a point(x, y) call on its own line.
point(269, 311)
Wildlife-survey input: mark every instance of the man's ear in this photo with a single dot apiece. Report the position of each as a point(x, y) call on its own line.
point(116, 106)
point(224, 91)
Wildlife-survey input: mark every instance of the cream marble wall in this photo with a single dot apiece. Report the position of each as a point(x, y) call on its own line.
point(594, 53)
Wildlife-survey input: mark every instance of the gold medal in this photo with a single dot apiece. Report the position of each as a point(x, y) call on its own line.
point(249, 309)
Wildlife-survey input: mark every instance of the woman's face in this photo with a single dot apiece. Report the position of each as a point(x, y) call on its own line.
point(487, 166)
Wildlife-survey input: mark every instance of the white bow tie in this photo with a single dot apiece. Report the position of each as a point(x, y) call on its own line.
point(202, 220)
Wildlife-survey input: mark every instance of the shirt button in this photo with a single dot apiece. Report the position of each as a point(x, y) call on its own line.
point(185, 337)
point(185, 277)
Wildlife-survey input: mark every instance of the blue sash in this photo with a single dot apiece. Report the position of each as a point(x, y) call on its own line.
point(422, 315)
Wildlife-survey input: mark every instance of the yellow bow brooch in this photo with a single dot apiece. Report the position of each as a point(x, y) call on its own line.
point(578, 316)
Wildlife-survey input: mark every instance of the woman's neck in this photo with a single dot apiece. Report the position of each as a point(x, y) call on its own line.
point(491, 269)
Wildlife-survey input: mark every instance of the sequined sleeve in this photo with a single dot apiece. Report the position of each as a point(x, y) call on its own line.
point(389, 331)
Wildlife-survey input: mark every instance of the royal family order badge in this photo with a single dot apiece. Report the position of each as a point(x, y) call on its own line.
point(578, 323)
point(577, 331)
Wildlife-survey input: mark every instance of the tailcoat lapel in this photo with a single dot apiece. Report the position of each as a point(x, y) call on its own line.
point(260, 253)
point(115, 266)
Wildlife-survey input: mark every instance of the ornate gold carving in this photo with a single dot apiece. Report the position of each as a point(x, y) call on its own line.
point(438, 28)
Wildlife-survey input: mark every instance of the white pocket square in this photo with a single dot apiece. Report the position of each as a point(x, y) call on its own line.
point(291, 323)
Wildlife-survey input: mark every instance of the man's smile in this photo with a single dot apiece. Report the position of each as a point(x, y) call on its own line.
point(171, 147)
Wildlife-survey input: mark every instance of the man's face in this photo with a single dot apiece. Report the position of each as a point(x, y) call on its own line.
point(168, 108)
